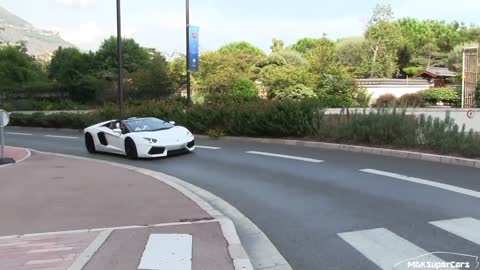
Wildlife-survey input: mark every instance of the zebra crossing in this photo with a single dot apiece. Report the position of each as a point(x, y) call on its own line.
point(390, 251)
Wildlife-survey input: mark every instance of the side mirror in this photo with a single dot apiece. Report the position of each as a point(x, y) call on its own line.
point(118, 131)
point(172, 122)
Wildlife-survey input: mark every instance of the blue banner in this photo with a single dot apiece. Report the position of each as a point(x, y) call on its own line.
point(193, 54)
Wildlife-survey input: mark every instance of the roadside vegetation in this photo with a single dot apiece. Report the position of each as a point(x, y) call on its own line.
point(256, 117)
point(319, 67)
point(243, 91)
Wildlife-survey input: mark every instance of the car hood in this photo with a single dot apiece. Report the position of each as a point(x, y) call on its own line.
point(168, 135)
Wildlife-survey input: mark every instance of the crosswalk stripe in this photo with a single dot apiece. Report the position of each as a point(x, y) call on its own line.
point(466, 228)
point(167, 251)
point(386, 249)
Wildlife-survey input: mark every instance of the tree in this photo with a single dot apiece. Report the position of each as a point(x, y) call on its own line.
point(295, 92)
point(280, 78)
point(322, 58)
point(17, 68)
point(305, 45)
point(353, 53)
point(177, 71)
point(241, 47)
point(220, 69)
point(152, 80)
point(277, 45)
point(134, 56)
point(292, 57)
point(383, 37)
point(70, 65)
point(244, 88)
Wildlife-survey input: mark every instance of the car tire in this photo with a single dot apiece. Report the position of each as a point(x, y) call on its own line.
point(131, 149)
point(90, 144)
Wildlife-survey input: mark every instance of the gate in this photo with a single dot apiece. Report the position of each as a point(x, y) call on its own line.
point(470, 76)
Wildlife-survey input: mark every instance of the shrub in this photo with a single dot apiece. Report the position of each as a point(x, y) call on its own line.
point(216, 132)
point(296, 92)
point(362, 97)
point(412, 71)
point(244, 88)
point(411, 100)
point(44, 105)
point(386, 100)
point(337, 92)
point(434, 95)
point(274, 118)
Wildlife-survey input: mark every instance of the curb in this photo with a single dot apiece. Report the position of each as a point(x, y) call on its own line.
point(29, 154)
point(236, 250)
point(450, 160)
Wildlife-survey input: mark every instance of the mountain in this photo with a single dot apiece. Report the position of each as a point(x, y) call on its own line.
point(40, 43)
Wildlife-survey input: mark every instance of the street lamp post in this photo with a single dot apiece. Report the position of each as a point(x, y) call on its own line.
point(119, 56)
point(187, 7)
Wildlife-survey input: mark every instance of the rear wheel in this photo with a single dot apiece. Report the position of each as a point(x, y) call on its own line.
point(131, 149)
point(90, 144)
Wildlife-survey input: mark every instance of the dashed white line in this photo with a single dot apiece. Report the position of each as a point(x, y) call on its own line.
point(285, 156)
point(62, 137)
point(451, 188)
point(207, 147)
point(19, 133)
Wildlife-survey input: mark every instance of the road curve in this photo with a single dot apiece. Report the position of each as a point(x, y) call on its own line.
point(322, 209)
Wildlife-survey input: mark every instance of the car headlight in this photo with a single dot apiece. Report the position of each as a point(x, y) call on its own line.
point(151, 140)
point(189, 133)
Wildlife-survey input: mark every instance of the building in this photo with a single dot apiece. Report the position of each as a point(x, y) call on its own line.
point(437, 75)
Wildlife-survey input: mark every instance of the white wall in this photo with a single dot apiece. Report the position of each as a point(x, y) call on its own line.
point(395, 90)
point(459, 115)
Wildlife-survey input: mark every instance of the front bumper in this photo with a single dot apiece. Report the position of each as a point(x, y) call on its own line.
point(159, 150)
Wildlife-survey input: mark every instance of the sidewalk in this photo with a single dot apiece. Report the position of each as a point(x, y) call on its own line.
point(59, 213)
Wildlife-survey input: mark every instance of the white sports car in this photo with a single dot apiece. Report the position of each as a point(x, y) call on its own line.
point(139, 138)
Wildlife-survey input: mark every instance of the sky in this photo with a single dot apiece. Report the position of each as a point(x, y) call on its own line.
point(160, 24)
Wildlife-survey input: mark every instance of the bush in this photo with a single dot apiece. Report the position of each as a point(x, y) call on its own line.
point(411, 100)
point(386, 100)
point(363, 97)
point(244, 88)
point(412, 71)
point(435, 95)
point(296, 92)
point(337, 92)
point(44, 105)
point(273, 118)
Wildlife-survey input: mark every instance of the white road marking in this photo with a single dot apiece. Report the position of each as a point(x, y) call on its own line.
point(62, 137)
point(207, 147)
point(451, 188)
point(20, 134)
point(167, 251)
point(386, 249)
point(285, 156)
point(88, 253)
point(467, 228)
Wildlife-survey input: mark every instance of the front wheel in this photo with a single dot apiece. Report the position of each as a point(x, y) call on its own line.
point(90, 144)
point(131, 149)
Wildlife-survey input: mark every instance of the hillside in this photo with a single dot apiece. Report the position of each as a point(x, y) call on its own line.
point(40, 43)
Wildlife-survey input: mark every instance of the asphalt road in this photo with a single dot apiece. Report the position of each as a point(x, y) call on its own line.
point(304, 205)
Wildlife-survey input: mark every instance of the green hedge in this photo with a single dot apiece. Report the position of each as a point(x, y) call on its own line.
point(281, 119)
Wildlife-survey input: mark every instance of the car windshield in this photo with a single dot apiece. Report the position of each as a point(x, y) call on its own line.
point(147, 124)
